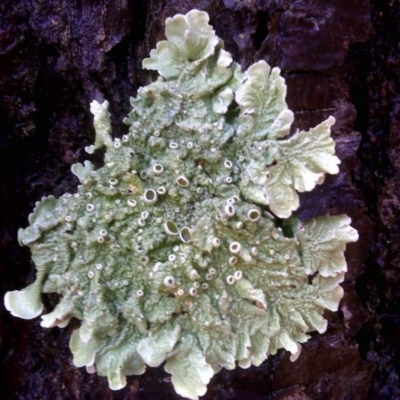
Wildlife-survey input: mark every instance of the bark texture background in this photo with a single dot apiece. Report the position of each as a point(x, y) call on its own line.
point(339, 57)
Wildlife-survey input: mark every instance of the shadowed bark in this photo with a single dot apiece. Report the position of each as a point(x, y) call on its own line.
point(339, 58)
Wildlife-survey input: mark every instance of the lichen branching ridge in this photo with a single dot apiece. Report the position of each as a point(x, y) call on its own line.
point(182, 248)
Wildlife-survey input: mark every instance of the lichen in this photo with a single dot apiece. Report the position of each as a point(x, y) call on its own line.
point(183, 248)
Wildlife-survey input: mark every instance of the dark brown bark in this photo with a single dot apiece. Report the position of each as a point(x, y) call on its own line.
point(338, 57)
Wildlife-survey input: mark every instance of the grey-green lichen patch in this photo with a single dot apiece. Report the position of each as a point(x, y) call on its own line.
point(172, 252)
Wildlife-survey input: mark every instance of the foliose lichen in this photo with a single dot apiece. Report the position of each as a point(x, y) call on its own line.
point(182, 248)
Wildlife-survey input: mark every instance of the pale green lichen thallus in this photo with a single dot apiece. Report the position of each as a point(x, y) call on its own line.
point(172, 251)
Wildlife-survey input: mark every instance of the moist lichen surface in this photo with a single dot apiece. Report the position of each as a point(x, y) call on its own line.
point(183, 248)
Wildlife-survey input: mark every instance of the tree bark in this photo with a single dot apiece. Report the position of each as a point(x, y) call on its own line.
point(339, 58)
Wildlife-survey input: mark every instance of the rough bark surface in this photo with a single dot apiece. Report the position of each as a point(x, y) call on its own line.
point(338, 57)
